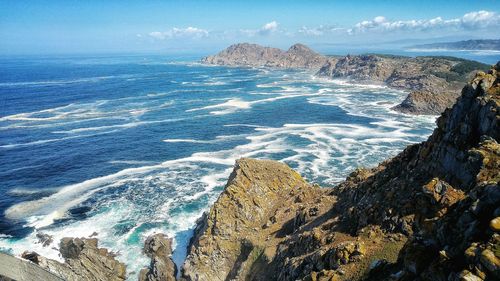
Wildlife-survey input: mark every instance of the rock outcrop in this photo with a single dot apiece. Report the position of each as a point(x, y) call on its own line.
point(434, 82)
point(430, 213)
point(245, 54)
point(162, 268)
point(83, 260)
point(240, 233)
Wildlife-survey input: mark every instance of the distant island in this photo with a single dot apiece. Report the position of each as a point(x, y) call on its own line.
point(434, 82)
point(467, 45)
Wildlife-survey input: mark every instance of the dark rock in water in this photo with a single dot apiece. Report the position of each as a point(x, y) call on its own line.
point(44, 239)
point(162, 268)
point(83, 261)
point(430, 213)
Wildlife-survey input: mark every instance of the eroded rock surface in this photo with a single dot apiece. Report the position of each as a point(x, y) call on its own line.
point(245, 54)
point(83, 260)
point(162, 268)
point(430, 213)
point(434, 82)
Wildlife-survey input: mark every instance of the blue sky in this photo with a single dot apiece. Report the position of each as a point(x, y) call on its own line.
point(204, 26)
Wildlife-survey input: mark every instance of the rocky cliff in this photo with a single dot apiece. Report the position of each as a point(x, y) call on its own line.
point(430, 213)
point(83, 261)
point(434, 83)
point(245, 54)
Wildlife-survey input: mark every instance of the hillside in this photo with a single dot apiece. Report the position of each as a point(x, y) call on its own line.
point(484, 44)
point(434, 83)
point(430, 213)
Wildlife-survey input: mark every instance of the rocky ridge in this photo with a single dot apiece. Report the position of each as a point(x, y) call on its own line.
point(434, 82)
point(162, 268)
point(83, 260)
point(430, 213)
point(245, 54)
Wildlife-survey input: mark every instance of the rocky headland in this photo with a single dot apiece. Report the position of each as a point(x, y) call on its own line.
point(434, 83)
point(430, 213)
point(245, 54)
point(477, 44)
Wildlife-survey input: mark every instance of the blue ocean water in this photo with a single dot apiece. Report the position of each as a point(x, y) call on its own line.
point(125, 146)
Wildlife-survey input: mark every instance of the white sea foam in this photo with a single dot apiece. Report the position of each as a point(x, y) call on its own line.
point(130, 162)
point(187, 140)
point(60, 82)
point(168, 197)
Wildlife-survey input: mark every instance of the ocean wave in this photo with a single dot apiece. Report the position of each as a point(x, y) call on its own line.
point(64, 82)
point(186, 141)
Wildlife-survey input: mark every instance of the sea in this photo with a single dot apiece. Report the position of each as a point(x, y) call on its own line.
point(119, 147)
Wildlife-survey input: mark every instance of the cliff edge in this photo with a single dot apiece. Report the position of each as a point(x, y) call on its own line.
point(434, 83)
point(430, 213)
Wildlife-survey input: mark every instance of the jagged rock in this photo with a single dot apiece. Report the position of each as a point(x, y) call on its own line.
point(427, 212)
point(491, 262)
point(434, 82)
point(83, 261)
point(495, 224)
point(232, 238)
point(466, 275)
point(162, 268)
point(425, 102)
point(44, 239)
point(245, 54)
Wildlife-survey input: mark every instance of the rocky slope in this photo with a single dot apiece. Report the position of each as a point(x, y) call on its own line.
point(245, 54)
point(162, 268)
point(434, 82)
point(430, 213)
point(481, 44)
point(83, 261)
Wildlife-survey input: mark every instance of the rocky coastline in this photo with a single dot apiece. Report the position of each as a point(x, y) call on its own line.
point(433, 83)
point(430, 213)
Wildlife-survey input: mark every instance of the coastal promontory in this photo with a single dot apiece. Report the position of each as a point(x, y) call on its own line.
point(433, 83)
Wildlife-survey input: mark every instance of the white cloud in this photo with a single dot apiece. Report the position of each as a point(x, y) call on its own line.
point(266, 29)
point(269, 27)
point(319, 30)
point(469, 21)
point(188, 32)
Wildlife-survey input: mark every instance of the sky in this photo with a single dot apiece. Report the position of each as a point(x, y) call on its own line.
point(187, 26)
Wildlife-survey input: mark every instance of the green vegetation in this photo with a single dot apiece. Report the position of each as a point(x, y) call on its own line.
point(461, 71)
point(467, 66)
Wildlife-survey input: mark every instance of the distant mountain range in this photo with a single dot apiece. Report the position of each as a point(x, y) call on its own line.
point(483, 44)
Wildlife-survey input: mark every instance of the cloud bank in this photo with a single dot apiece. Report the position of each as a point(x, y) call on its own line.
point(469, 21)
point(188, 32)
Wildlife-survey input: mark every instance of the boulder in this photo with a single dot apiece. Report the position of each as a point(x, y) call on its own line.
point(162, 268)
point(83, 261)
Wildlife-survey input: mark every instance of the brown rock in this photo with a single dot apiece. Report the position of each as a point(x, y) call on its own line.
point(495, 224)
point(162, 268)
point(83, 261)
